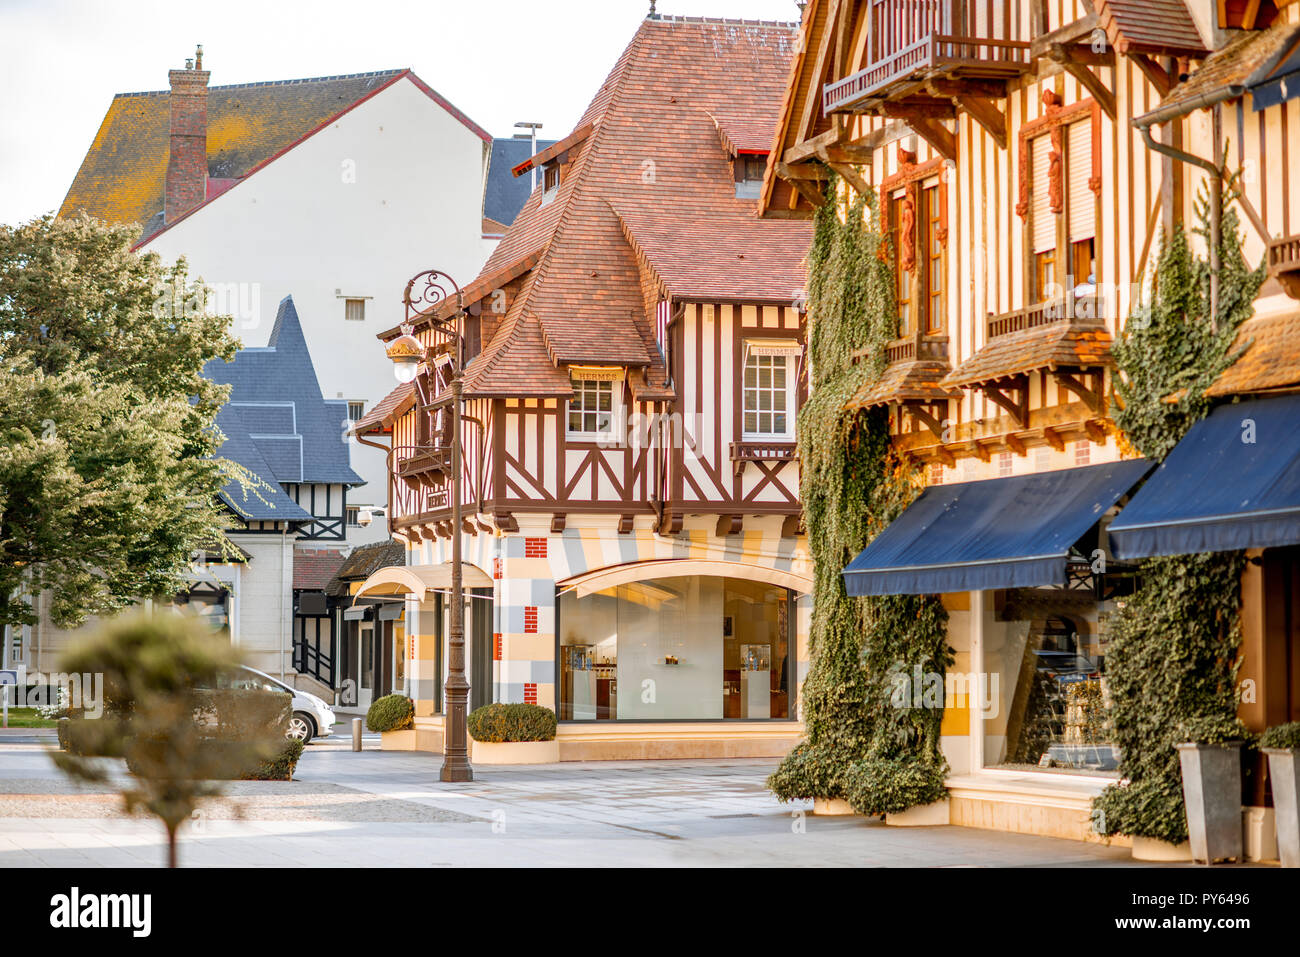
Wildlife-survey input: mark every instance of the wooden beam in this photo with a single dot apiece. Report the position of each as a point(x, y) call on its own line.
point(987, 115)
point(930, 107)
point(850, 176)
point(1018, 407)
point(813, 104)
point(937, 135)
point(945, 88)
point(1154, 72)
point(1089, 80)
point(922, 415)
point(807, 149)
point(804, 187)
point(1091, 397)
point(1076, 32)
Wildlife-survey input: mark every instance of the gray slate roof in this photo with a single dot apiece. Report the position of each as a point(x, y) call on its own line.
point(278, 424)
point(504, 195)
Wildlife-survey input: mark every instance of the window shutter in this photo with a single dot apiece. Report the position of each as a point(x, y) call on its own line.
point(1042, 222)
point(1081, 205)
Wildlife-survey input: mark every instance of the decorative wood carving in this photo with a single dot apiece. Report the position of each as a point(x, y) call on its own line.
point(910, 173)
point(1053, 124)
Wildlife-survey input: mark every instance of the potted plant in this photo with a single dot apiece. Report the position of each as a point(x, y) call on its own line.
point(393, 717)
point(1282, 743)
point(513, 734)
point(1210, 758)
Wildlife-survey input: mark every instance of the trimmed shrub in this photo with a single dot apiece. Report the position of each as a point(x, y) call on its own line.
point(496, 723)
point(1284, 737)
point(91, 737)
point(278, 768)
point(1215, 729)
point(392, 712)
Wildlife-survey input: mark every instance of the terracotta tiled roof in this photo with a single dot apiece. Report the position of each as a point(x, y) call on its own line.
point(654, 154)
point(1232, 65)
point(916, 379)
point(542, 157)
point(1057, 344)
point(1271, 359)
point(1150, 26)
point(744, 132)
point(122, 176)
point(314, 567)
point(381, 417)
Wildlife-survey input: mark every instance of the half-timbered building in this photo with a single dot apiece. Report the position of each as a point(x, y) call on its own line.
point(634, 365)
point(1028, 156)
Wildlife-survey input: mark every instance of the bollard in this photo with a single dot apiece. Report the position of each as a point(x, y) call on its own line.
point(356, 734)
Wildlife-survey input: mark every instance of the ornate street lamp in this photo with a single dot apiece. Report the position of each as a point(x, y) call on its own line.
point(424, 296)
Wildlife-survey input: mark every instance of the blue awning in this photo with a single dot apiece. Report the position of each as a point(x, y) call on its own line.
point(1013, 532)
point(1233, 482)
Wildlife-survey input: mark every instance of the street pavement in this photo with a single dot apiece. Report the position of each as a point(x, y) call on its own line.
point(374, 808)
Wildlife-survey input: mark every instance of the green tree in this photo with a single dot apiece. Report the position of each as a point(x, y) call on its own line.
point(108, 480)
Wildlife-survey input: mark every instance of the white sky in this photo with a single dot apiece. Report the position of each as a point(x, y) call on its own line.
point(499, 61)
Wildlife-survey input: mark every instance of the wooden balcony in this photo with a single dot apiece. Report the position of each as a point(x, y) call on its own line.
point(914, 42)
point(1082, 310)
point(428, 468)
point(1284, 263)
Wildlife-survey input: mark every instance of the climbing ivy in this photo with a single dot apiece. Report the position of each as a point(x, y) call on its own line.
point(859, 745)
point(1172, 660)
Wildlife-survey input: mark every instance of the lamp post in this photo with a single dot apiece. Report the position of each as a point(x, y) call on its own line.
point(425, 294)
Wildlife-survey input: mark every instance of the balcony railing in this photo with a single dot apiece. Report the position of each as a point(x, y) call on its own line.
point(917, 38)
point(427, 467)
point(1284, 263)
point(1088, 309)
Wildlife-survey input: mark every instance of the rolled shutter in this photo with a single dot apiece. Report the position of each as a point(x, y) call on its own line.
point(1042, 222)
point(1081, 205)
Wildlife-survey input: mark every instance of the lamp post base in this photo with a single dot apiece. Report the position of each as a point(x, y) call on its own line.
point(456, 771)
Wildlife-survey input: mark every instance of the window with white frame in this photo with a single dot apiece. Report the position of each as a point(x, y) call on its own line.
point(593, 410)
point(768, 393)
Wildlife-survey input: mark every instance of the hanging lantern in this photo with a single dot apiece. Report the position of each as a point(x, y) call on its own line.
point(407, 352)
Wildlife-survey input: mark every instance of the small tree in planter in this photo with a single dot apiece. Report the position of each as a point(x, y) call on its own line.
point(1210, 757)
point(1282, 745)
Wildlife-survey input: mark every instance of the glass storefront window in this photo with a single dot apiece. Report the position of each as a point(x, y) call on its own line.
point(676, 648)
point(1046, 648)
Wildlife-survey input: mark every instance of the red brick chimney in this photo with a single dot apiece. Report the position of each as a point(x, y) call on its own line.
point(187, 162)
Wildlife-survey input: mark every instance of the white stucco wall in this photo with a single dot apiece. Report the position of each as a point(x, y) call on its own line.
point(392, 187)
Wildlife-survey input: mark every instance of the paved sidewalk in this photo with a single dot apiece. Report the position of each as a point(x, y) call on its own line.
point(374, 808)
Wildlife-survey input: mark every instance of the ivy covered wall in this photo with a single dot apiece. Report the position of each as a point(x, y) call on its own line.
point(859, 745)
point(1172, 660)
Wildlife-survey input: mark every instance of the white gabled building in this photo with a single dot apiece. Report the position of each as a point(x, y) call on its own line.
point(334, 190)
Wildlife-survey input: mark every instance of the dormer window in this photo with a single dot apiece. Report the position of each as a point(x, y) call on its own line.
point(550, 181)
point(749, 174)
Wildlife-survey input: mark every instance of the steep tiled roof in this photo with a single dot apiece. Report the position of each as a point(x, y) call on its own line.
point(1271, 359)
point(1232, 66)
point(276, 421)
point(1058, 344)
point(314, 567)
point(380, 418)
point(122, 176)
point(1150, 26)
point(653, 178)
point(917, 379)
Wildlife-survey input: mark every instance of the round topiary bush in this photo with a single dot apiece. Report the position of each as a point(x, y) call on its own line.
point(392, 712)
point(495, 723)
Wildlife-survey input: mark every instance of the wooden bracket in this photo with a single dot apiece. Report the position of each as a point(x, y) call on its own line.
point(805, 187)
point(980, 452)
point(1014, 443)
point(1090, 395)
point(1012, 397)
point(1053, 438)
point(729, 525)
point(1096, 431)
point(937, 135)
point(468, 527)
point(671, 524)
point(986, 114)
point(1157, 75)
point(850, 176)
point(1081, 72)
point(506, 522)
point(557, 523)
point(791, 526)
point(625, 524)
point(921, 414)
